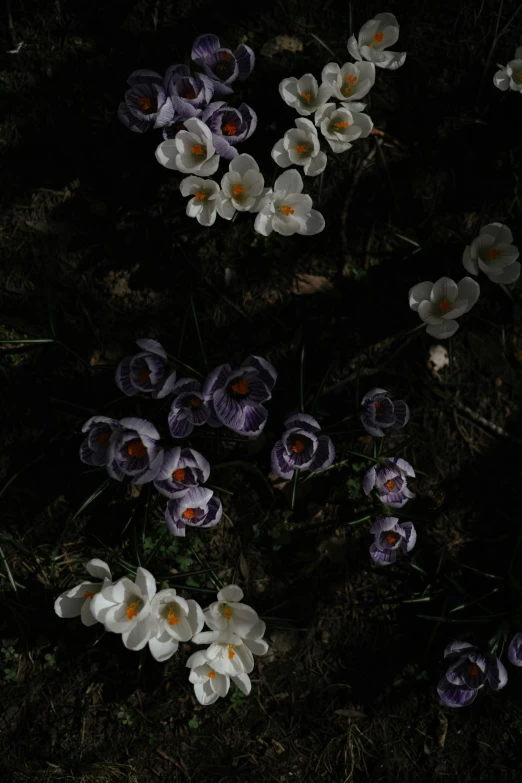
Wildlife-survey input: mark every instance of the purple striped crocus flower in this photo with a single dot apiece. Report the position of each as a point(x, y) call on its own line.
point(197, 508)
point(469, 671)
point(188, 409)
point(389, 479)
point(185, 90)
point(229, 126)
point(182, 470)
point(99, 429)
point(146, 371)
point(134, 451)
point(381, 413)
point(146, 104)
point(222, 65)
point(301, 447)
point(388, 537)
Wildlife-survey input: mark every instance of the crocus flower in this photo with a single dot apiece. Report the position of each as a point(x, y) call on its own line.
point(340, 126)
point(286, 210)
point(134, 451)
point(389, 479)
point(182, 470)
point(241, 187)
point(176, 619)
point(197, 508)
point(470, 670)
point(515, 650)
point(99, 429)
point(374, 37)
point(146, 105)
point(301, 146)
point(203, 205)
point(195, 91)
point(509, 77)
point(235, 397)
point(222, 65)
point(191, 151)
point(303, 94)
point(388, 537)
point(227, 653)
point(440, 303)
point(77, 601)
point(227, 615)
point(493, 252)
point(351, 82)
point(209, 684)
point(124, 607)
point(229, 127)
point(188, 409)
point(301, 447)
point(380, 412)
point(146, 371)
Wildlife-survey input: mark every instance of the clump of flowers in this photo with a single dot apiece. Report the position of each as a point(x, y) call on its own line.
point(493, 253)
point(301, 447)
point(390, 535)
point(469, 671)
point(439, 304)
point(389, 479)
point(76, 602)
point(509, 77)
point(374, 38)
point(381, 413)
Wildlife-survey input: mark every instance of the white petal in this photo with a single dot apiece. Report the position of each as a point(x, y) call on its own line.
point(280, 155)
point(444, 288)
point(225, 207)
point(312, 224)
point(263, 224)
point(289, 182)
point(98, 568)
point(163, 648)
point(443, 330)
point(166, 154)
point(243, 683)
point(469, 289)
point(195, 616)
point(87, 616)
point(419, 293)
point(230, 593)
point(315, 166)
point(68, 607)
point(204, 694)
point(353, 48)
point(470, 263)
point(509, 274)
point(146, 583)
point(137, 637)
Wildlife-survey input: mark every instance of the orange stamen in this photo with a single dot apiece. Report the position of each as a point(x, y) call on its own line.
point(240, 387)
point(238, 189)
point(230, 129)
point(351, 79)
point(377, 404)
point(179, 474)
point(144, 104)
point(189, 513)
point(225, 56)
point(190, 95)
point(341, 125)
point(195, 402)
point(286, 210)
point(136, 449)
point(88, 594)
point(102, 438)
point(473, 669)
point(227, 611)
point(378, 37)
point(144, 377)
point(200, 195)
point(231, 652)
point(301, 148)
point(391, 538)
point(298, 447)
point(173, 620)
point(212, 674)
point(131, 610)
point(197, 149)
point(494, 253)
point(445, 306)
point(306, 96)
point(390, 484)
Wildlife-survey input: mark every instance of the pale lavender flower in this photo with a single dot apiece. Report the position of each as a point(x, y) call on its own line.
point(197, 508)
point(470, 670)
point(380, 412)
point(99, 429)
point(222, 65)
point(229, 126)
point(146, 104)
point(134, 451)
point(182, 470)
point(390, 536)
point(146, 371)
point(301, 447)
point(389, 479)
point(188, 409)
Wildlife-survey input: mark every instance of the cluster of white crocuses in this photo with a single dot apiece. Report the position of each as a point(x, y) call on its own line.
point(339, 124)
point(440, 304)
point(164, 619)
point(509, 77)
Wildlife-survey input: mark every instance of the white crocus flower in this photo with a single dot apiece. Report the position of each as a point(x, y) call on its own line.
point(340, 126)
point(228, 653)
point(228, 615)
point(191, 151)
point(241, 187)
point(351, 82)
point(303, 94)
point(438, 305)
point(209, 684)
point(177, 620)
point(301, 147)
point(493, 252)
point(510, 76)
point(374, 37)
point(286, 210)
point(204, 204)
point(124, 607)
point(77, 601)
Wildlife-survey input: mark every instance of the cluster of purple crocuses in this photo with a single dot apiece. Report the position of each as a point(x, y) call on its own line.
point(155, 101)
point(133, 447)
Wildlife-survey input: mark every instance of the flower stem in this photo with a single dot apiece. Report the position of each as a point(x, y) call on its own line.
point(294, 488)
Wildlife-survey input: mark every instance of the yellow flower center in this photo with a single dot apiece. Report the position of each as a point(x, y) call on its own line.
point(301, 148)
point(132, 610)
point(306, 96)
point(171, 616)
point(144, 377)
point(286, 210)
point(377, 38)
point(230, 129)
point(227, 611)
point(473, 669)
point(200, 195)
point(231, 653)
point(211, 674)
point(391, 538)
point(102, 438)
point(390, 484)
point(338, 125)
point(238, 189)
point(445, 306)
point(144, 103)
point(197, 149)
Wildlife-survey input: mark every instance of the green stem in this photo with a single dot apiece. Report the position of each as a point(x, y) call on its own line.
point(295, 479)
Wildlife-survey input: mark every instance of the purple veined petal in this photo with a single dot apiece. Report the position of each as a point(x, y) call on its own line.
point(245, 59)
point(384, 413)
point(144, 76)
point(369, 479)
point(152, 471)
point(403, 466)
point(367, 420)
point(166, 387)
point(123, 377)
point(410, 536)
point(515, 650)
point(127, 118)
point(170, 463)
point(223, 148)
point(180, 425)
point(402, 414)
point(373, 394)
point(246, 386)
point(453, 695)
point(393, 499)
point(280, 463)
point(203, 47)
point(186, 385)
point(249, 120)
point(496, 672)
point(216, 379)
point(324, 456)
point(300, 447)
point(214, 514)
point(141, 426)
point(211, 109)
point(459, 648)
point(220, 87)
point(254, 420)
point(267, 372)
point(229, 411)
point(197, 461)
point(173, 73)
point(387, 557)
point(152, 346)
point(302, 421)
point(383, 524)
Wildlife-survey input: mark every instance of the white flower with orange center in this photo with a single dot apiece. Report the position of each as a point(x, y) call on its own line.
point(351, 82)
point(286, 210)
point(203, 205)
point(124, 607)
point(191, 151)
point(341, 127)
point(304, 95)
point(439, 304)
point(77, 601)
point(301, 147)
point(227, 614)
point(374, 37)
point(227, 654)
point(177, 620)
point(509, 77)
point(493, 253)
point(242, 187)
point(210, 684)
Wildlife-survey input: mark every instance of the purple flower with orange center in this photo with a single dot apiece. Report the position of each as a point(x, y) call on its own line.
point(189, 91)
point(146, 371)
point(301, 447)
point(235, 397)
point(388, 537)
point(197, 508)
point(134, 451)
point(229, 127)
point(469, 671)
point(182, 470)
point(99, 429)
point(389, 479)
point(188, 409)
point(146, 104)
point(380, 412)
point(222, 65)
